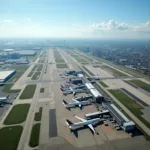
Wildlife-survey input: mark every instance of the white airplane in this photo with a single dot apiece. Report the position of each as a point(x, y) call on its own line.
point(70, 88)
point(76, 103)
point(83, 122)
point(74, 91)
point(4, 98)
point(94, 77)
point(83, 98)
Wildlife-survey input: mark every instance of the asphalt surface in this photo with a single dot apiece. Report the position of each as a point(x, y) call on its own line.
point(52, 123)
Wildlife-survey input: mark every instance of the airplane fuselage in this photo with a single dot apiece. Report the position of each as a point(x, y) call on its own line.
point(73, 104)
point(85, 122)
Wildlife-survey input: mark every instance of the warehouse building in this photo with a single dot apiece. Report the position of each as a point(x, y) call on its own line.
point(5, 75)
point(120, 118)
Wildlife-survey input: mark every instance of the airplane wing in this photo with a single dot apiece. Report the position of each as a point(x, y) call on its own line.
point(91, 127)
point(83, 120)
point(75, 100)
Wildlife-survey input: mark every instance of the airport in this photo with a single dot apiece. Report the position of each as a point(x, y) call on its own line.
point(64, 104)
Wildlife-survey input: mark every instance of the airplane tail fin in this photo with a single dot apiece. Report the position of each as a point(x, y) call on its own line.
point(69, 122)
point(65, 102)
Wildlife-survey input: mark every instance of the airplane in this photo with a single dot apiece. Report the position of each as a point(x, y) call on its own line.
point(74, 88)
point(83, 98)
point(75, 103)
point(94, 77)
point(83, 122)
point(3, 100)
point(74, 91)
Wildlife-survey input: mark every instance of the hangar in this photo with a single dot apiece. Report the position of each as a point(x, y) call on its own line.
point(6, 74)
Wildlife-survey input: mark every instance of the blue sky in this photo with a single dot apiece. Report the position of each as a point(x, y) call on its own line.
point(75, 18)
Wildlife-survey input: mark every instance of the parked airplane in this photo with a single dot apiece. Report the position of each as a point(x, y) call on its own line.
point(74, 88)
point(83, 98)
point(74, 91)
point(83, 122)
point(94, 77)
point(3, 100)
point(76, 103)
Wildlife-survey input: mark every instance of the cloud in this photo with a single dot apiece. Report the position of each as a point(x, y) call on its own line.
point(27, 19)
point(8, 21)
point(110, 25)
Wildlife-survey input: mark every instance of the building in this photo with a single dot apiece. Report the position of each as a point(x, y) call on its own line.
point(120, 118)
point(5, 75)
point(76, 81)
point(98, 97)
point(26, 52)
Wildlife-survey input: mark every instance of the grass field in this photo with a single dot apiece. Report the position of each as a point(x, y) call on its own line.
point(17, 114)
point(34, 138)
point(34, 68)
point(20, 69)
point(30, 74)
point(36, 75)
point(39, 68)
point(114, 71)
point(88, 71)
point(103, 84)
point(131, 104)
point(9, 137)
point(28, 92)
point(141, 84)
point(38, 115)
point(42, 90)
point(61, 65)
point(7, 89)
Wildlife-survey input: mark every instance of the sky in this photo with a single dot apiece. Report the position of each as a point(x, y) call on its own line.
point(75, 18)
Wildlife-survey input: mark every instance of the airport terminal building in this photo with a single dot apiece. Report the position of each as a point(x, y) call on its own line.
point(120, 118)
point(6, 75)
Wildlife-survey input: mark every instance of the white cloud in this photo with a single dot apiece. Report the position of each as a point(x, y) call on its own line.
point(119, 29)
point(8, 21)
point(27, 19)
point(110, 25)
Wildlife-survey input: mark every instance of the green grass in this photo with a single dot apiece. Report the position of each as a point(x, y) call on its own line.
point(31, 58)
point(141, 84)
point(30, 74)
point(28, 92)
point(103, 84)
point(88, 71)
point(42, 90)
point(116, 72)
point(38, 115)
point(39, 68)
point(34, 68)
point(36, 75)
point(61, 65)
point(34, 138)
point(9, 137)
point(19, 67)
point(131, 104)
point(17, 114)
point(7, 89)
